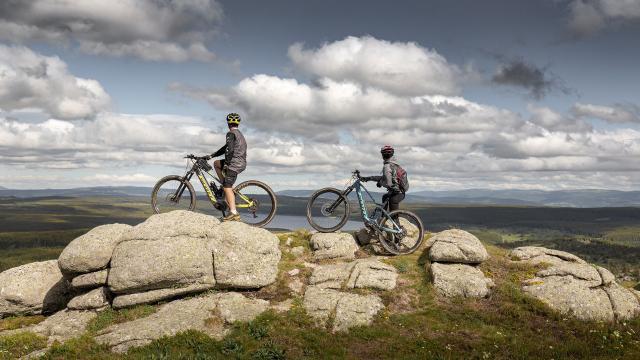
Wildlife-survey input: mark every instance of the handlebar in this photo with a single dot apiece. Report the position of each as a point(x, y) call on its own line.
point(193, 157)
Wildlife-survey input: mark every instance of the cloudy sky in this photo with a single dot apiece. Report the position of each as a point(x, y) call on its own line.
point(473, 94)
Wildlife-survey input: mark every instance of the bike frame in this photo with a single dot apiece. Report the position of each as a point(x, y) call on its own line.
point(358, 187)
point(195, 169)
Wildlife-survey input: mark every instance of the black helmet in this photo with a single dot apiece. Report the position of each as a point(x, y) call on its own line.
point(387, 151)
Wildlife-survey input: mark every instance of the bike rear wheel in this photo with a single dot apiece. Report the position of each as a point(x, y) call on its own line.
point(256, 202)
point(327, 210)
point(410, 237)
point(173, 193)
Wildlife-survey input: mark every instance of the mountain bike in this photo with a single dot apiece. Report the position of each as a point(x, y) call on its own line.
point(255, 201)
point(400, 231)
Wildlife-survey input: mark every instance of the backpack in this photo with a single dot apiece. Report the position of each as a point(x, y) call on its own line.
point(401, 178)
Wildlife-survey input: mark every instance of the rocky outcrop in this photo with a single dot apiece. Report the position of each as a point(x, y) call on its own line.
point(160, 263)
point(333, 246)
point(456, 246)
point(91, 251)
point(454, 280)
point(36, 288)
point(245, 257)
point(166, 251)
point(90, 280)
point(362, 273)
point(211, 314)
point(573, 287)
point(96, 299)
point(61, 326)
point(345, 309)
point(454, 257)
point(536, 255)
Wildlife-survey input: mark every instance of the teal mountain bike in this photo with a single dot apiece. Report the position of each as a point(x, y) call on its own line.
point(400, 231)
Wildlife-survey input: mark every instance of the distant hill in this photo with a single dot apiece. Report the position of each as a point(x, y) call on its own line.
point(587, 198)
point(79, 192)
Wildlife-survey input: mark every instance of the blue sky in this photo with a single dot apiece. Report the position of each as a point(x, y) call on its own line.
point(491, 94)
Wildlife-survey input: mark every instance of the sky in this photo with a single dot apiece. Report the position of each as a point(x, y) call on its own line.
point(507, 94)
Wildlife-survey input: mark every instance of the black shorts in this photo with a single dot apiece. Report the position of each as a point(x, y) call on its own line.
point(230, 177)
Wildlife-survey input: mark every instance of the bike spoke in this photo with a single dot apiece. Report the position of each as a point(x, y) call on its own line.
point(328, 210)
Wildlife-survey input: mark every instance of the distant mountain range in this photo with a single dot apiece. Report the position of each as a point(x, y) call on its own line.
point(560, 198)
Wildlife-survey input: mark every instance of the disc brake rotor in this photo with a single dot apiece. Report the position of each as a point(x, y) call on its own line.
point(325, 210)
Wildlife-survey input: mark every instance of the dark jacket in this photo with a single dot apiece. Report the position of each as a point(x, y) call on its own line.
point(234, 150)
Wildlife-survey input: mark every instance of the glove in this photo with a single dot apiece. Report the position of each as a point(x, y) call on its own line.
point(379, 184)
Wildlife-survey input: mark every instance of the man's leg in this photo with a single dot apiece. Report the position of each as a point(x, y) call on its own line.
point(230, 196)
point(218, 165)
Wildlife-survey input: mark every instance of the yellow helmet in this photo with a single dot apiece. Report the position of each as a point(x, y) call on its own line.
point(233, 118)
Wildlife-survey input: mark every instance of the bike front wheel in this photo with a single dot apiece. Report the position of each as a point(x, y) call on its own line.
point(401, 232)
point(173, 193)
point(327, 210)
point(256, 202)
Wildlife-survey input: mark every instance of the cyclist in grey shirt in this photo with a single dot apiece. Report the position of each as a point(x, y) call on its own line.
point(388, 179)
point(235, 162)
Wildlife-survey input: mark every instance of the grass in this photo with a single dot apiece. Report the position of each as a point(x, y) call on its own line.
point(17, 345)
point(17, 322)
point(110, 317)
point(15, 257)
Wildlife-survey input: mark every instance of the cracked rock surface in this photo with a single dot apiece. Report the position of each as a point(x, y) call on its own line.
point(34, 288)
point(210, 314)
point(333, 246)
point(358, 274)
point(573, 287)
point(456, 246)
point(346, 309)
point(454, 257)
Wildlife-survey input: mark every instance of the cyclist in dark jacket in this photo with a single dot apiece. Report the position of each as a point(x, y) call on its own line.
point(234, 162)
point(388, 179)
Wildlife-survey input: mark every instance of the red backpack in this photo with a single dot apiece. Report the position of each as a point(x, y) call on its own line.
point(401, 177)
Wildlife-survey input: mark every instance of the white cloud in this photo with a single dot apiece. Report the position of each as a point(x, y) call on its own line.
point(590, 16)
point(172, 30)
point(618, 113)
point(395, 67)
point(33, 81)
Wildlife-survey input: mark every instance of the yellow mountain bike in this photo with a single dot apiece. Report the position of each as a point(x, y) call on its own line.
point(255, 201)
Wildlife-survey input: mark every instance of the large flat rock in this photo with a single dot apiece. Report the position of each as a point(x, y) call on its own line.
point(333, 246)
point(181, 315)
point(142, 265)
point(244, 256)
point(456, 246)
point(573, 287)
point(346, 309)
point(33, 288)
point(358, 274)
point(459, 280)
point(91, 251)
point(537, 255)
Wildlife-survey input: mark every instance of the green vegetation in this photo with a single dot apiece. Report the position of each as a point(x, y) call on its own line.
point(16, 322)
point(16, 257)
point(110, 317)
point(17, 345)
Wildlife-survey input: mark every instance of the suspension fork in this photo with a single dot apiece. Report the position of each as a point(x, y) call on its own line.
point(183, 186)
point(345, 193)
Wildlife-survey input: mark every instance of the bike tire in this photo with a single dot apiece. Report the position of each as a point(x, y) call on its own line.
point(391, 248)
point(156, 188)
point(314, 197)
point(272, 197)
